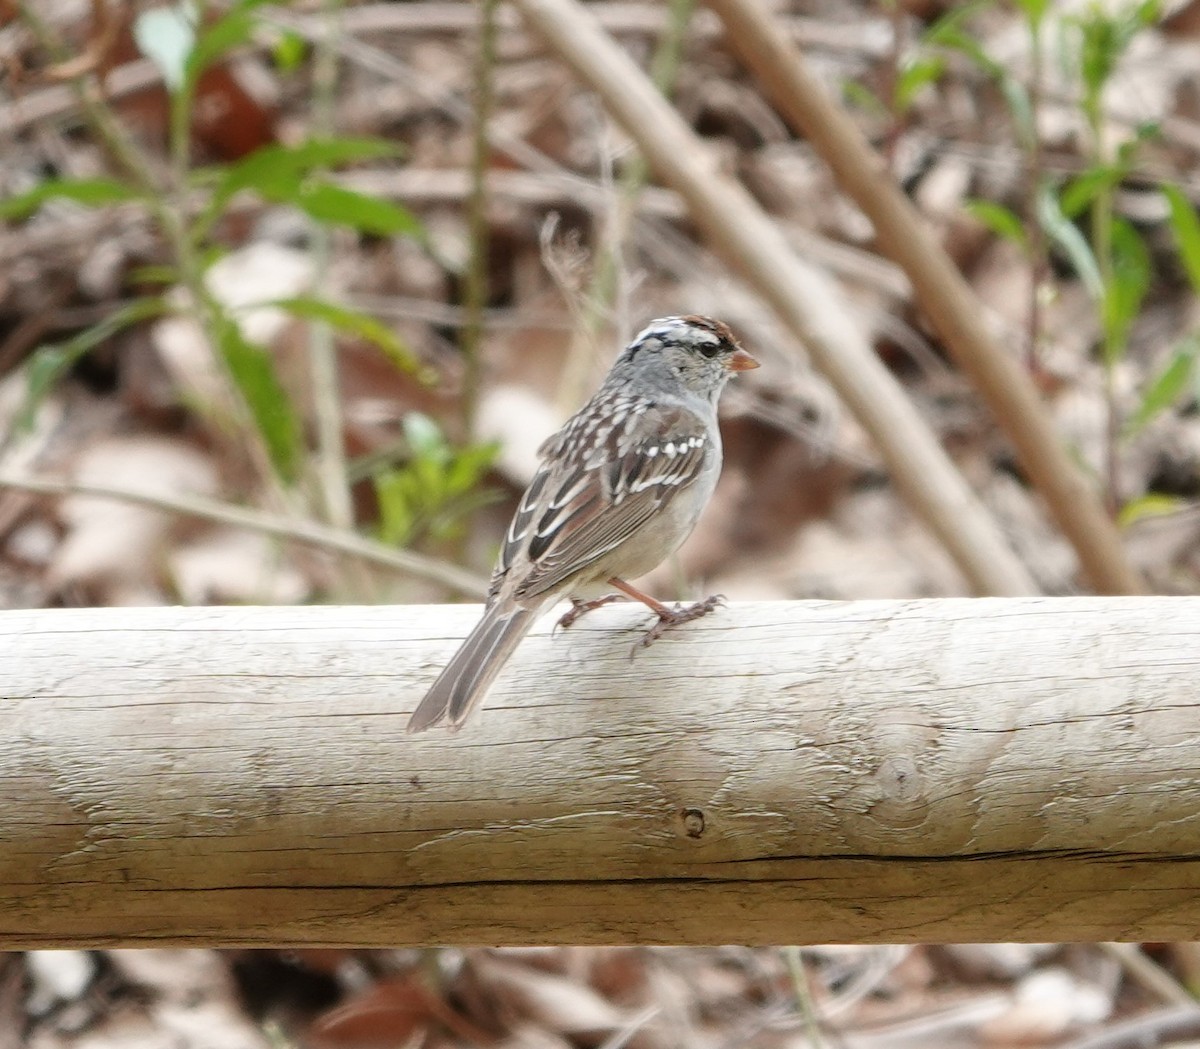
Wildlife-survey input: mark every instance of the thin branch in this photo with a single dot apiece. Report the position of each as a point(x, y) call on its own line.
point(804, 999)
point(330, 461)
point(310, 533)
point(1175, 1023)
point(1153, 977)
point(940, 289)
point(476, 297)
point(804, 298)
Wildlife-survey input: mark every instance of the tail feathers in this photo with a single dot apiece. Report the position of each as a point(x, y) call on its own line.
point(459, 688)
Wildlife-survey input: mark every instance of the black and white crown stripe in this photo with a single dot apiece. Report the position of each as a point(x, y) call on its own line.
point(693, 330)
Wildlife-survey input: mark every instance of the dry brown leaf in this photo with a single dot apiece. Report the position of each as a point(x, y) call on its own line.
point(552, 1001)
point(391, 1013)
point(232, 566)
point(117, 543)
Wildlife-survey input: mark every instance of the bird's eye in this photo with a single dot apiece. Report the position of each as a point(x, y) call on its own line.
point(710, 349)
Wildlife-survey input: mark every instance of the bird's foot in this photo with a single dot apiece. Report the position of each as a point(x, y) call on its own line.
point(582, 608)
point(673, 617)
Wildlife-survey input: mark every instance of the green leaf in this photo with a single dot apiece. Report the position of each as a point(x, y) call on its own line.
point(424, 437)
point(1081, 192)
point(396, 522)
point(1034, 10)
point(1017, 97)
point(230, 30)
point(1068, 238)
point(153, 274)
point(1185, 225)
point(1000, 220)
point(916, 75)
point(276, 172)
point(951, 31)
point(289, 51)
point(1167, 387)
point(1152, 504)
point(1145, 131)
point(253, 370)
point(436, 487)
point(93, 192)
point(353, 322)
point(863, 97)
point(326, 202)
point(215, 41)
point(1104, 38)
point(1131, 272)
point(469, 466)
point(166, 36)
point(49, 363)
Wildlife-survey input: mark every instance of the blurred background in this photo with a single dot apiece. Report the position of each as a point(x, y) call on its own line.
point(290, 294)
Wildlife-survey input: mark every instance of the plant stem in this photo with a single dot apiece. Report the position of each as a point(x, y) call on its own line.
point(209, 313)
point(1113, 344)
point(606, 289)
point(1039, 270)
point(895, 55)
point(476, 277)
point(327, 404)
point(311, 533)
point(167, 203)
point(803, 992)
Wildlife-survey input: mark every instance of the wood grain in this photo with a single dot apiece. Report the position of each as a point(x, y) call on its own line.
point(787, 772)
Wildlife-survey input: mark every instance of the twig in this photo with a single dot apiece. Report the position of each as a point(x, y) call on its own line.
point(1154, 978)
point(1171, 1022)
point(860, 37)
point(326, 384)
point(803, 994)
point(392, 68)
point(607, 291)
point(311, 533)
point(1039, 264)
point(624, 1034)
point(940, 289)
point(607, 284)
point(664, 66)
point(804, 298)
point(898, 118)
point(476, 298)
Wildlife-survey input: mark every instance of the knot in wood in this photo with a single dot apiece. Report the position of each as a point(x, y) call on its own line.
point(693, 822)
point(902, 801)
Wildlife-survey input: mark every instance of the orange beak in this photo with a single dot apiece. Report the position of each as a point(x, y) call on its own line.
point(741, 361)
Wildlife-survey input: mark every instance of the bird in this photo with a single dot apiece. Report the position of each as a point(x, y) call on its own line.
point(619, 488)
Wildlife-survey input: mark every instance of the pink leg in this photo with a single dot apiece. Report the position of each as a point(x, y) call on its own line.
point(582, 608)
point(667, 617)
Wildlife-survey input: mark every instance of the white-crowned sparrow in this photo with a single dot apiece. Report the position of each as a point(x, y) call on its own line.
point(620, 487)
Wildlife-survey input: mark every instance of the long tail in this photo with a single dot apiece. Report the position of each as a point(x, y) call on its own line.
point(461, 686)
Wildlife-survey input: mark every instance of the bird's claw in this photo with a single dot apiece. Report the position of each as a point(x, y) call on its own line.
point(678, 616)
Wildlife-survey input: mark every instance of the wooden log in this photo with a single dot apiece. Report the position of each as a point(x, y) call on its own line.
point(775, 773)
